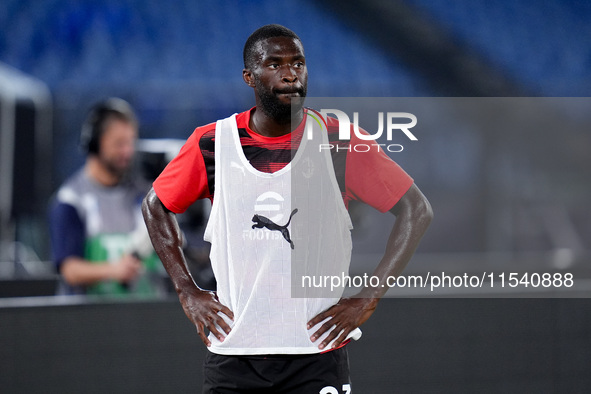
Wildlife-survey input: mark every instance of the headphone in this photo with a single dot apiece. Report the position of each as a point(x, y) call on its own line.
point(94, 125)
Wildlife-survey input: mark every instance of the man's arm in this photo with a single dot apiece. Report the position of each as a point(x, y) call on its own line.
point(200, 306)
point(78, 271)
point(67, 241)
point(413, 216)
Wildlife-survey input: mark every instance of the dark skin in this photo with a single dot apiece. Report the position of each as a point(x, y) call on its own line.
point(200, 306)
point(279, 72)
point(413, 216)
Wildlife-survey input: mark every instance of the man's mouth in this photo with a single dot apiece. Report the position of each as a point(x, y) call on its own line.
point(289, 93)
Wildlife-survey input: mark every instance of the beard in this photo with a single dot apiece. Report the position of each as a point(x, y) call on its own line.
point(274, 108)
point(119, 169)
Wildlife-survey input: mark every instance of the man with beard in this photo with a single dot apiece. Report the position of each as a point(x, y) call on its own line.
point(263, 340)
point(97, 232)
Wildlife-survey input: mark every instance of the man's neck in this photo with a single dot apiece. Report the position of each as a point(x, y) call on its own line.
point(95, 170)
point(264, 125)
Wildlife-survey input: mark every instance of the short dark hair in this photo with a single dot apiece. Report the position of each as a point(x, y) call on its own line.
point(98, 116)
point(262, 33)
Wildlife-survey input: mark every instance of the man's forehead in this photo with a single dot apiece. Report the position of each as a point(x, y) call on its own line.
point(115, 126)
point(279, 46)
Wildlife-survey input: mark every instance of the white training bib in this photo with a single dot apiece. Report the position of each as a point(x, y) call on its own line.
point(267, 230)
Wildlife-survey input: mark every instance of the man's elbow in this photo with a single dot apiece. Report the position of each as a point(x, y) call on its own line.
point(423, 212)
point(415, 207)
point(149, 203)
point(71, 270)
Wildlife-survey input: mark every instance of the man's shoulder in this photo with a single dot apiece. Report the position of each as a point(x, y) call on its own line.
point(68, 195)
point(204, 135)
point(200, 131)
point(74, 184)
point(242, 119)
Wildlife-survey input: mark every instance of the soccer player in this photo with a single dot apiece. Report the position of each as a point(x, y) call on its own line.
point(255, 166)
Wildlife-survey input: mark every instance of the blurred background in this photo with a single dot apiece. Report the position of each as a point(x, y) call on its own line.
point(179, 64)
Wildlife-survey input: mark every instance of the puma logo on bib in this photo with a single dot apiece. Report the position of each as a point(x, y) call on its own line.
point(261, 221)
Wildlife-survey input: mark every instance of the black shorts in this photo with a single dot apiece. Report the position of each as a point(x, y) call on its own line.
point(324, 373)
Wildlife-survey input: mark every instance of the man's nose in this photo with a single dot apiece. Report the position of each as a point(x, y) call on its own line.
point(289, 75)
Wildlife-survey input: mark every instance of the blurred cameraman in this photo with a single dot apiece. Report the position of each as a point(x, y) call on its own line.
point(99, 241)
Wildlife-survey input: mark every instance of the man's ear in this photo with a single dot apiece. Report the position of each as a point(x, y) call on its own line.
point(248, 77)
